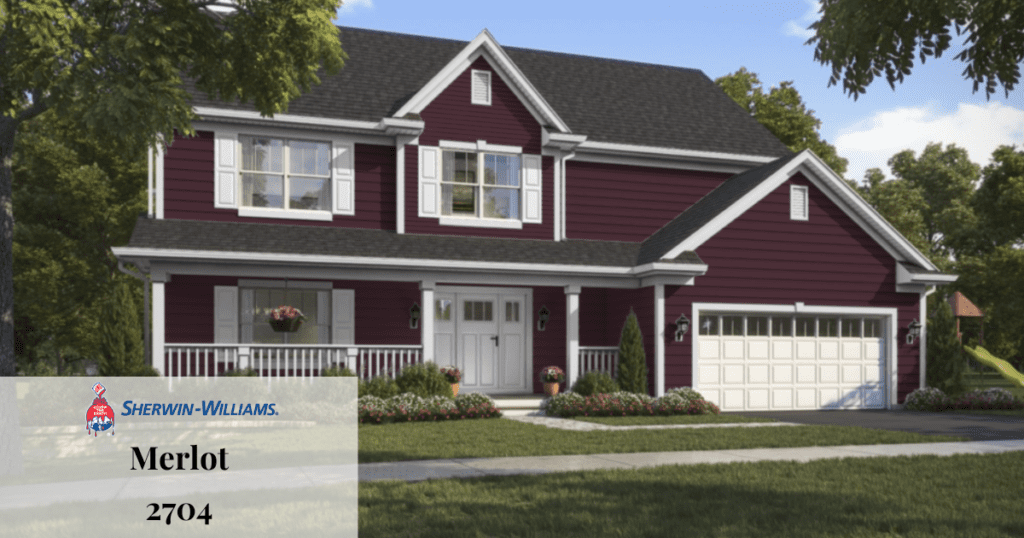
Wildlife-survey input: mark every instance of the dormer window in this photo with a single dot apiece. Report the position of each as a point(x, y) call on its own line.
point(492, 194)
point(481, 92)
point(797, 202)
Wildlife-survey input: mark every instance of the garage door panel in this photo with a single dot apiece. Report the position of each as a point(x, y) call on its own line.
point(757, 373)
point(828, 373)
point(852, 373)
point(709, 349)
point(806, 350)
point(732, 374)
point(782, 373)
point(733, 349)
point(805, 374)
point(874, 398)
point(782, 398)
point(782, 349)
point(757, 349)
point(828, 350)
point(873, 374)
point(757, 399)
point(709, 375)
point(828, 398)
point(806, 398)
point(873, 350)
point(852, 350)
point(733, 398)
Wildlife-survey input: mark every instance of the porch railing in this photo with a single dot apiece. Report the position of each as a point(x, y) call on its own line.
point(277, 360)
point(599, 359)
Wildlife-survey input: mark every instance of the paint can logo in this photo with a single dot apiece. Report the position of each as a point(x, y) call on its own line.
point(99, 417)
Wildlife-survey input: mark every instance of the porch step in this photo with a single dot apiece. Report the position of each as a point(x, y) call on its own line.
point(518, 406)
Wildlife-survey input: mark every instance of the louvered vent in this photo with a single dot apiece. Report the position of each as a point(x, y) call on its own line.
point(797, 202)
point(481, 87)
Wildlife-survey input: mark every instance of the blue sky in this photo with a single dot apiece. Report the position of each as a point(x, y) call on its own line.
point(934, 104)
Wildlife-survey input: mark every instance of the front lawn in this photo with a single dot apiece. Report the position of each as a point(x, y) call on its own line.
point(491, 438)
point(672, 419)
point(988, 379)
point(968, 495)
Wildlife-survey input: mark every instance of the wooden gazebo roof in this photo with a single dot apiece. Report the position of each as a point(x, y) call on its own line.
point(963, 307)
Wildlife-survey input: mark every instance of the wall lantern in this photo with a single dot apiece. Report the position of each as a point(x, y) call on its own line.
point(542, 318)
point(913, 331)
point(682, 325)
point(414, 316)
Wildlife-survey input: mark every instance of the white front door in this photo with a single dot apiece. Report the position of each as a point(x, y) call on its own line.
point(483, 334)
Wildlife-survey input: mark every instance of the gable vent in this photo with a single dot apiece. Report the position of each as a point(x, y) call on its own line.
point(481, 87)
point(797, 202)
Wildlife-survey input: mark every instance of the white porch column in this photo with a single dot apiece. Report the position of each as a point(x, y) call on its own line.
point(572, 334)
point(659, 340)
point(427, 319)
point(159, 311)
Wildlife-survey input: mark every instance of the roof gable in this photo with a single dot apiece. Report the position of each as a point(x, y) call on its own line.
point(720, 207)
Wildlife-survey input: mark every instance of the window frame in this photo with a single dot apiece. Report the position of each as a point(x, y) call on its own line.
point(325, 214)
point(478, 219)
point(322, 326)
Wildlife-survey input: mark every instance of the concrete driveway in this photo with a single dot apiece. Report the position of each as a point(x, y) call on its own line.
point(974, 427)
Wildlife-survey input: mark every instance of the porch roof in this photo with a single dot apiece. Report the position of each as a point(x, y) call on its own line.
point(234, 237)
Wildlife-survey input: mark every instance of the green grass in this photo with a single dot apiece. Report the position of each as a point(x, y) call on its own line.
point(673, 419)
point(490, 438)
point(920, 496)
point(988, 378)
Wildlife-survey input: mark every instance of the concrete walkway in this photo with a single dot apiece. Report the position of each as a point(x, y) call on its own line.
point(412, 471)
point(583, 426)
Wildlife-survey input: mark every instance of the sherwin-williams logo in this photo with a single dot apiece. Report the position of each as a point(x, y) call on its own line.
point(99, 417)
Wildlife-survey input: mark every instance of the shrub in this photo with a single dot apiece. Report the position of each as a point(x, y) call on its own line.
point(994, 398)
point(424, 380)
point(381, 387)
point(240, 372)
point(338, 372)
point(595, 383)
point(632, 359)
point(473, 405)
point(571, 404)
point(686, 393)
point(927, 399)
point(947, 366)
point(409, 407)
point(565, 404)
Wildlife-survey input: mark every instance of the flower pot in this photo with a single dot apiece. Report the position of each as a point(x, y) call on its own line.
point(285, 325)
point(455, 389)
point(550, 389)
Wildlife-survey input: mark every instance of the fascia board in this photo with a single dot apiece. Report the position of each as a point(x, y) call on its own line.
point(507, 69)
point(209, 114)
point(903, 276)
point(654, 151)
point(649, 269)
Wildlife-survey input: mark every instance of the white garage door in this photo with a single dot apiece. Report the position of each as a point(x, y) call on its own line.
point(749, 362)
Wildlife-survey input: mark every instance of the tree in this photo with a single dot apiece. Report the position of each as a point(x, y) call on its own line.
point(946, 366)
point(121, 349)
point(860, 41)
point(632, 358)
point(782, 111)
point(115, 69)
point(999, 202)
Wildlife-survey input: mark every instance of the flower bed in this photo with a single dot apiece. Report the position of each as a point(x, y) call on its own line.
point(408, 407)
point(684, 401)
point(933, 399)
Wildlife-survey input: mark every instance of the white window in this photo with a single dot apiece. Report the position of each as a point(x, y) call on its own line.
point(285, 174)
point(481, 185)
point(481, 91)
point(797, 202)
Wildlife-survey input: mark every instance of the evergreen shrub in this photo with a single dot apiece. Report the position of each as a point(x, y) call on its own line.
point(424, 380)
point(632, 359)
point(592, 383)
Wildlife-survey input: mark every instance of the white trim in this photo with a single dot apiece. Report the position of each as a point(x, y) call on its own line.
point(503, 66)
point(159, 326)
point(556, 190)
point(159, 180)
point(149, 181)
point(664, 152)
point(799, 204)
point(479, 146)
point(922, 344)
point(289, 214)
point(829, 183)
point(285, 284)
point(400, 144)
point(427, 290)
point(295, 132)
point(688, 164)
point(659, 340)
point(209, 113)
point(903, 276)
point(478, 83)
point(572, 335)
point(563, 225)
point(892, 314)
point(511, 224)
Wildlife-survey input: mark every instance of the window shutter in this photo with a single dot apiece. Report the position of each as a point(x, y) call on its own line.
point(248, 308)
point(430, 181)
point(323, 310)
point(531, 189)
point(344, 178)
point(225, 311)
point(343, 316)
point(225, 174)
point(481, 92)
point(797, 202)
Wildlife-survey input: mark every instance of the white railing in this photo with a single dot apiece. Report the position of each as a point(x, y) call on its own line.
point(599, 359)
point(286, 360)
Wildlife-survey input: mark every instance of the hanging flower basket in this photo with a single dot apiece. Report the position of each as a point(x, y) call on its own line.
point(286, 319)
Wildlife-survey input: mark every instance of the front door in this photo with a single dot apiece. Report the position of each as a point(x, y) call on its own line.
point(483, 334)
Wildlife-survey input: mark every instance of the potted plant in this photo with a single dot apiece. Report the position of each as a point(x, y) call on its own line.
point(286, 319)
point(454, 376)
point(552, 376)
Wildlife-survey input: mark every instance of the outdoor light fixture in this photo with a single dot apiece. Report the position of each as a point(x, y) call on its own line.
point(913, 331)
point(682, 325)
point(542, 318)
point(414, 316)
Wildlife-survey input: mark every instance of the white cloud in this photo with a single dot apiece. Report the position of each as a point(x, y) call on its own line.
point(798, 27)
point(350, 5)
point(979, 129)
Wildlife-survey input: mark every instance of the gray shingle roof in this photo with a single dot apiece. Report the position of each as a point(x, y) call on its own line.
point(706, 209)
point(607, 100)
point(332, 241)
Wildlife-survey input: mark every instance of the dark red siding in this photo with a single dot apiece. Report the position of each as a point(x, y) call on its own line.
point(382, 311)
point(188, 308)
point(616, 202)
point(763, 257)
point(549, 344)
point(414, 224)
point(188, 186)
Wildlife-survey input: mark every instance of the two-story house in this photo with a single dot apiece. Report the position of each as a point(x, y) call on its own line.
point(502, 210)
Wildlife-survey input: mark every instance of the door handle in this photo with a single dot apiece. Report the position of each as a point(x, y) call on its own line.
point(495, 338)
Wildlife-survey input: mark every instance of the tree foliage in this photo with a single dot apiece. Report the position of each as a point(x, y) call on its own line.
point(121, 350)
point(783, 112)
point(999, 202)
point(946, 365)
point(632, 358)
point(115, 69)
point(860, 40)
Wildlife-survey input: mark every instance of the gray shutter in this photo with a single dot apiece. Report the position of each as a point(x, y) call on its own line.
point(323, 310)
point(343, 316)
point(225, 312)
point(532, 189)
point(225, 175)
point(344, 178)
point(248, 306)
point(430, 181)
